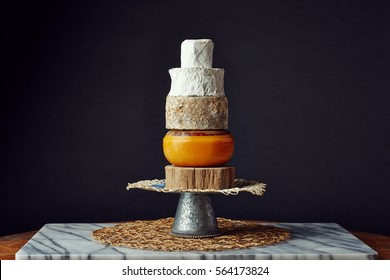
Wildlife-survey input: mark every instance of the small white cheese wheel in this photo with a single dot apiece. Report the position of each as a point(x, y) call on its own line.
point(197, 53)
point(197, 82)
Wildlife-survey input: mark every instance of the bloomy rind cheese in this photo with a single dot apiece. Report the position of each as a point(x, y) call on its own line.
point(197, 53)
point(196, 113)
point(197, 82)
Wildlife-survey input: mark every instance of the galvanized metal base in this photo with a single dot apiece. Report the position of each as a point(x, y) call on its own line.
point(195, 217)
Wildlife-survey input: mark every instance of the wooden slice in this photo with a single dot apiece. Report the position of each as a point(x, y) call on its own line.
point(199, 178)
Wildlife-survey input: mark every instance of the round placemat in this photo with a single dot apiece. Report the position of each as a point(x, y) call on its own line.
point(155, 235)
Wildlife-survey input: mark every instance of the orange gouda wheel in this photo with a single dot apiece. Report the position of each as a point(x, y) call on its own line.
point(198, 148)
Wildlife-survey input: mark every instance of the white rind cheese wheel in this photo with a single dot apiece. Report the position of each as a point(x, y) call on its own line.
point(196, 113)
point(197, 82)
point(197, 53)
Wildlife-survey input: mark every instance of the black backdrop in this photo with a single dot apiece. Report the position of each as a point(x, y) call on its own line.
point(83, 96)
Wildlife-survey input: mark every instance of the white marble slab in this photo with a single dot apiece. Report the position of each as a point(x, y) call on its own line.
point(308, 241)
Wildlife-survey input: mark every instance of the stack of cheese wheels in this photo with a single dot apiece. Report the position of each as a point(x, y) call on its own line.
point(198, 144)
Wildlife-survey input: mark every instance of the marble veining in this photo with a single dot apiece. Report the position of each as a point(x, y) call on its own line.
point(309, 241)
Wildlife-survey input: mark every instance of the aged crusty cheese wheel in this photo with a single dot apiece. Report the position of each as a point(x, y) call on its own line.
point(199, 178)
point(196, 113)
point(198, 148)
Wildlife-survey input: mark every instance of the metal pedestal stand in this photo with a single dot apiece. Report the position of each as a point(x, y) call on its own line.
point(195, 216)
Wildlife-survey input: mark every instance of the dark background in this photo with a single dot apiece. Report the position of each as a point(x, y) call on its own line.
point(83, 97)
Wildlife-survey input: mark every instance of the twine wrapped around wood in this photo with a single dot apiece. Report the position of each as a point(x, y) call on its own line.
point(155, 235)
point(240, 185)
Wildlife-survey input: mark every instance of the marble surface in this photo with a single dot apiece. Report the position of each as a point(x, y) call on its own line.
point(308, 241)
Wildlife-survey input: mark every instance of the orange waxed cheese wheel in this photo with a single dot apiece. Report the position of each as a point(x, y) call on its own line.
point(198, 148)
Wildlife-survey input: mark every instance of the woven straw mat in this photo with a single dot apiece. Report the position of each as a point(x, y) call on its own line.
point(155, 235)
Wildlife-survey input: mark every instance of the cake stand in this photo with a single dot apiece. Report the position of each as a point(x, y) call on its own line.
point(195, 217)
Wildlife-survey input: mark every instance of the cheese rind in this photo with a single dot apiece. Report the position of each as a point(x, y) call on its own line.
point(197, 82)
point(196, 113)
point(197, 53)
point(192, 148)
